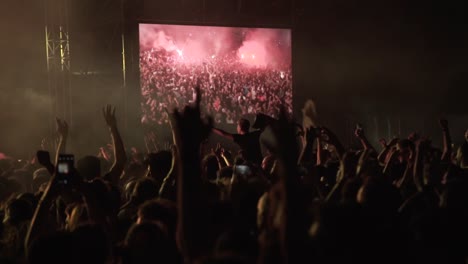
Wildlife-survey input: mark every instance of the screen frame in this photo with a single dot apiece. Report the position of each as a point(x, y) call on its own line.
point(134, 128)
point(166, 23)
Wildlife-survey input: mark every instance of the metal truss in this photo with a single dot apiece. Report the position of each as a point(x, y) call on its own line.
point(57, 43)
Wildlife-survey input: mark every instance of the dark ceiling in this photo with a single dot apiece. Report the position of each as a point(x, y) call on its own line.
point(357, 59)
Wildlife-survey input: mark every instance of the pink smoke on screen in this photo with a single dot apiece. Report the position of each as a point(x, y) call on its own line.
point(194, 44)
point(261, 47)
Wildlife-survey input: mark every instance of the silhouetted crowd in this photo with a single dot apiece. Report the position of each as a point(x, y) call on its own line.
point(404, 201)
point(231, 88)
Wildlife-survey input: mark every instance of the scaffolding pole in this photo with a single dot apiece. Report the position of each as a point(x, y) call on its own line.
point(57, 40)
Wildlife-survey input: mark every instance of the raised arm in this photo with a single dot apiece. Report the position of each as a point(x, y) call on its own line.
point(190, 131)
point(387, 148)
point(223, 161)
point(392, 156)
point(307, 152)
point(167, 187)
point(62, 130)
point(223, 133)
point(419, 160)
point(446, 155)
point(292, 228)
point(42, 222)
point(332, 139)
point(120, 157)
point(359, 133)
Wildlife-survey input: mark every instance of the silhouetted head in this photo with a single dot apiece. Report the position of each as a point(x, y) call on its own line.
point(405, 146)
point(89, 167)
point(23, 176)
point(466, 135)
point(18, 211)
point(378, 194)
point(455, 196)
point(30, 197)
point(262, 121)
point(161, 210)
point(145, 189)
point(210, 167)
point(238, 242)
point(135, 171)
point(8, 187)
point(243, 126)
point(5, 164)
point(53, 248)
point(91, 244)
point(147, 243)
point(107, 196)
point(160, 164)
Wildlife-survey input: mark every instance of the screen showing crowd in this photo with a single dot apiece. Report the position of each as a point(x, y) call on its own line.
point(240, 71)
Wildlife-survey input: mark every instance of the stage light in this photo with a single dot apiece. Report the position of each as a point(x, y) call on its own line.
point(213, 56)
point(253, 56)
point(180, 53)
point(242, 56)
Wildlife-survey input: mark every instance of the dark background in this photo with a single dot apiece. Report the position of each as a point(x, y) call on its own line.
point(393, 66)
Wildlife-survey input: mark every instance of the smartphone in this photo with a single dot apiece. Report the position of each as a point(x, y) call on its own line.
point(243, 170)
point(64, 167)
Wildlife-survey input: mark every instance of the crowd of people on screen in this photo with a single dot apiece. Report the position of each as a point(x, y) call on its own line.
point(232, 89)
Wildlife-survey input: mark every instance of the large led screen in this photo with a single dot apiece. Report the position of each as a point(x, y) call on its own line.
point(240, 71)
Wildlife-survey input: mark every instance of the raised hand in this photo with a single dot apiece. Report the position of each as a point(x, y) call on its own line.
point(120, 156)
point(383, 142)
point(109, 115)
point(62, 127)
point(359, 132)
point(218, 151)
point(190, 127)
point(189, 131)
point(446, 155)
point(330, 137)
point(393, 142)
point(443, 124)
point(44, 144)
point(62, 130)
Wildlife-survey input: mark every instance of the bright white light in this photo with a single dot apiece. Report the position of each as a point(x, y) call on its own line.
point(253, 56)
point(213, 56)
point(180, 53)
point(242, 56)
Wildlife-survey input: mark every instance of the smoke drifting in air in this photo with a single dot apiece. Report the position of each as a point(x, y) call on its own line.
point(193, 44)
